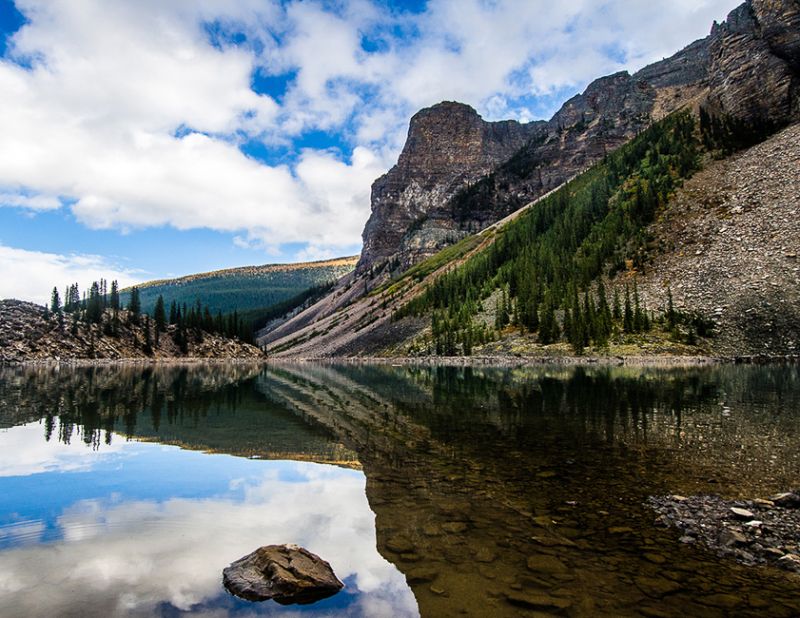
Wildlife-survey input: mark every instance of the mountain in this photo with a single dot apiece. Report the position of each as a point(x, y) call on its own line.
point(458, 174)
point(246, 288)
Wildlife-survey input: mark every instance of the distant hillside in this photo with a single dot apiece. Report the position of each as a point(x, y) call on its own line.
point(246, 288)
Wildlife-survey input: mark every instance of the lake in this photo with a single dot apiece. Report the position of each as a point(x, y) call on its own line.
point(433, 491)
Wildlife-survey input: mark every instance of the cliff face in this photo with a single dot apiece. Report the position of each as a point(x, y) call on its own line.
point(457, 173)
point(449, 145)
point(753, 73)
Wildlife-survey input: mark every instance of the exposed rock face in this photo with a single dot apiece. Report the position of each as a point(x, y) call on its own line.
point(287, 574)
point(751, 75)
point(779, 22)
point(27, 335)
point(458, 173)
point(448, 146)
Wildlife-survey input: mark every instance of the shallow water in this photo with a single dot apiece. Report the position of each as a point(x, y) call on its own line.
point(434, 491)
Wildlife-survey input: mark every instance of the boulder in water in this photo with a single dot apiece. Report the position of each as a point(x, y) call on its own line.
point(285, 573)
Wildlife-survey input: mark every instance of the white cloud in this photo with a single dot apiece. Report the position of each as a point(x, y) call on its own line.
point(132, 115)
point(29, 275)
point(30, 202)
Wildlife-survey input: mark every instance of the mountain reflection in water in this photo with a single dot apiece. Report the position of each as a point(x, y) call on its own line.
point(495, 491)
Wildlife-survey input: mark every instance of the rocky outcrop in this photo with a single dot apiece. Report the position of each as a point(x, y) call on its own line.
point(779, 23)
point(457, 173)
point(28, 334)
point(448, 146)
point(287, 574)
point(753, 74)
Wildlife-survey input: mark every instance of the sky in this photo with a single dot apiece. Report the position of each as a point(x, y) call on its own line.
point(152, 139)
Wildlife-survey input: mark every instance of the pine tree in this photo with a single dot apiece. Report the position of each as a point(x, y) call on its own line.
point(501, 311)
point(627, 322)
point(134, 306)
point(549, 331)
point(55, 302)
point(603, 316)
point(94, 304)
point(670, 310)
point(148, 339)
point(115, 296)
point(638, 316)
point(159, 317)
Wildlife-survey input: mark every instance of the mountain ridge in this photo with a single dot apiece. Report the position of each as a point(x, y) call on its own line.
point(753, 51)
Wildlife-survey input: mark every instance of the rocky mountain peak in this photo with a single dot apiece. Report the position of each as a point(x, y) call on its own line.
point(458, 173)
point(449, 146)
point(448, 137)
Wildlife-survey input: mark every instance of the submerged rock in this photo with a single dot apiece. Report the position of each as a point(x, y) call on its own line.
point(285, 573)
point(788, 500)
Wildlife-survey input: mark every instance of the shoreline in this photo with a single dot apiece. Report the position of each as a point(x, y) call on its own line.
point(444, 361)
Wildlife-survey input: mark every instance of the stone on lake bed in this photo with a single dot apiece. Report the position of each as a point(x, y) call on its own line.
point(287, 574)
point(742, 513)
point(537, 600)
point(788, 500)
point(545, 563)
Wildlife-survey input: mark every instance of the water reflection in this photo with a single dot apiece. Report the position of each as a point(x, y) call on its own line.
point(130, 550)
point(498, 491)
point(495, 491)
point(107, 527)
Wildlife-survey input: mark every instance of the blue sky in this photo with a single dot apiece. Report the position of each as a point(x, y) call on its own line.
point(150, 139)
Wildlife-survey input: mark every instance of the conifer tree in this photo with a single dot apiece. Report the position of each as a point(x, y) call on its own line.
point(134, 306)
point(159, 318)
point(627, 322)
point(549, 331)
point(148, 338)
point(115, 304)
point(55, 302)
point(94, 304)
point(670, 311)
point(603, 316)
point(501, 311)
point(638, 316)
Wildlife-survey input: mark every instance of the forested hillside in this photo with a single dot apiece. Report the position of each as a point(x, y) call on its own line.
point(248, 290)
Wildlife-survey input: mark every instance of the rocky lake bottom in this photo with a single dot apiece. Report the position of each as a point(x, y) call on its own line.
point(433, 491)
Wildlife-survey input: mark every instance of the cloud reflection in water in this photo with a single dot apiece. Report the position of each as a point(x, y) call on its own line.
point(119, 554)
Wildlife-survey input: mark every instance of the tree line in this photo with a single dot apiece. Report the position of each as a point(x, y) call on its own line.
point(100, 304)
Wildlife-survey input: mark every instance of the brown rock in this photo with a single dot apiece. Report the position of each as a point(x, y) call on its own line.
point(536, 600)
point(287, 574)
point(546, 564)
